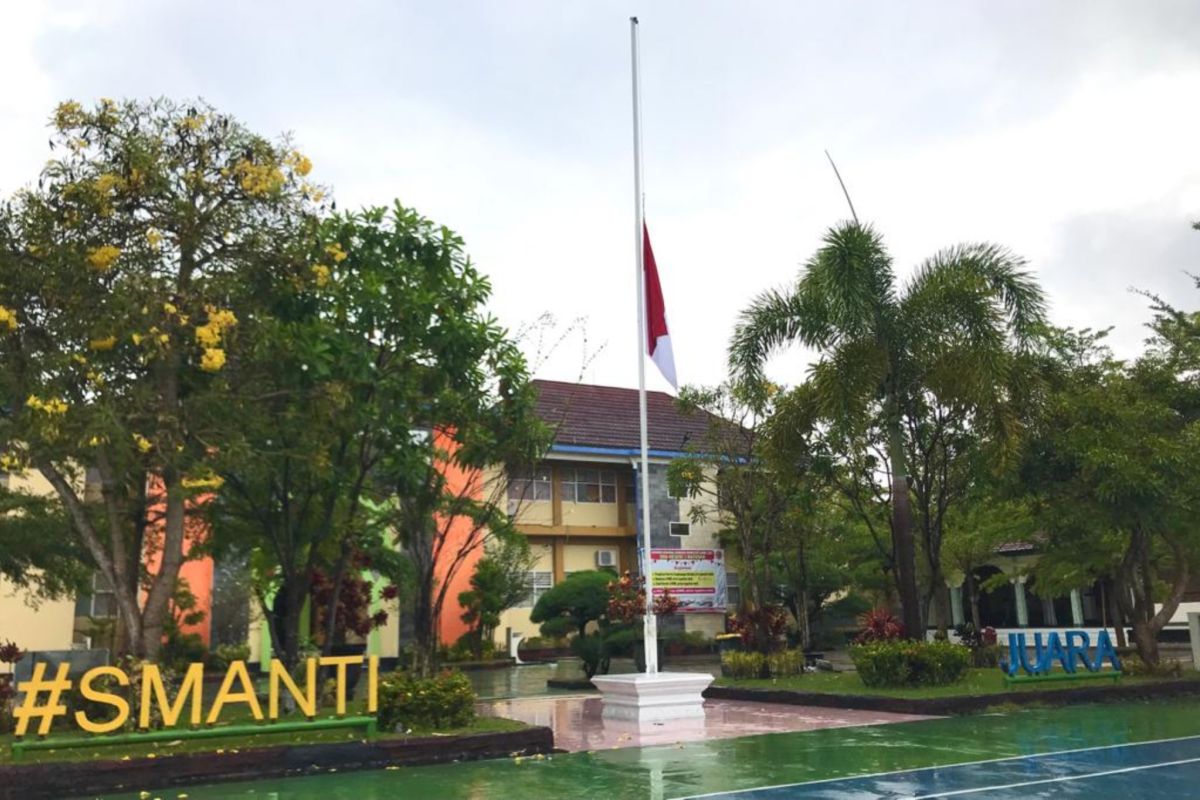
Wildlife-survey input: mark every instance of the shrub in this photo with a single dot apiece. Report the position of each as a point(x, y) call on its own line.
point(1133, 665)
point(785, 662)
point(225, 654)
point(9, 654)
point(761, 627)
point(444, 701)
point(904, 663)
point(743, 665)
point(879, 625)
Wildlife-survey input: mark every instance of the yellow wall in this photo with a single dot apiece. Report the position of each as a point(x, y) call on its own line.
point(46, 626)
point(580, 557)
point(535, 512)
point(592, 514)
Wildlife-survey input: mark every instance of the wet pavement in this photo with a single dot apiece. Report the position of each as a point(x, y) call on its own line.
point(578, 725)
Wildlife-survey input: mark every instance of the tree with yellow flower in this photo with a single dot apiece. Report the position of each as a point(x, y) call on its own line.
point(153, 231)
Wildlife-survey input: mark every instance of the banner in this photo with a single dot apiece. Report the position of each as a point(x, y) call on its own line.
point(696, 578)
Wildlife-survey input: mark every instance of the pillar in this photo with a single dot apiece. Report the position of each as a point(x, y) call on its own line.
point(956, 605)
point(1076, 608)
point(1193, 619)
point(1022, 609)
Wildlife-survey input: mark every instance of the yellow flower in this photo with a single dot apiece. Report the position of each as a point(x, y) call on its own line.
point(193, 122)
point(320, 274)
point(8, 318)
point(79, 358)
point(335, 252)
point(53, 406)
point(137, 338)
point(170, 308)
point(143, 444)
point(10, 463)
point(207, 482)
point(154, 238)
point(299, 163)
point(213, 359)
point(258, 179)
point(208, 335)
point(101, 258)
point(221, 318)
point(96, 441)
point(164, 338)
point(69, 114)
point(108, 183)
point(107, 343)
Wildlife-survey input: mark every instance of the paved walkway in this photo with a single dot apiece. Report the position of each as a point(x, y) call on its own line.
point(578, 726)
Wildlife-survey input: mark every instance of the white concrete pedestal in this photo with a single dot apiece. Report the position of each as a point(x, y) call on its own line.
point(652, 698)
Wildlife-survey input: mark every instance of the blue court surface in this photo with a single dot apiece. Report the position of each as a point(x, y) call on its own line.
point(1168, 768)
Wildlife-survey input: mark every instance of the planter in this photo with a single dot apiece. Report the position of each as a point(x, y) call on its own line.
point(729, 644)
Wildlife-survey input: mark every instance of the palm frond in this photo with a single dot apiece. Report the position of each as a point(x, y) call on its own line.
point(775, 318)
point(852, 272)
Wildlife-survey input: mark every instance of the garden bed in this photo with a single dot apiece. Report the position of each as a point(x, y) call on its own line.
point(91, 771)
point(982, 689)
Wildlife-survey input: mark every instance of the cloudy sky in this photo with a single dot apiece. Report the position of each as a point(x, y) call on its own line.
point(1069, 131)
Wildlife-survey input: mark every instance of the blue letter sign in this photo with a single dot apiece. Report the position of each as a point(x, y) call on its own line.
point(1046, 653)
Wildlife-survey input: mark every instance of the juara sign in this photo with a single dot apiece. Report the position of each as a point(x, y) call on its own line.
point(1077, 645)
point(43, 695)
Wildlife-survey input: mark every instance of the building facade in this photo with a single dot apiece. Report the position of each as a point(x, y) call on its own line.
point(581, 507)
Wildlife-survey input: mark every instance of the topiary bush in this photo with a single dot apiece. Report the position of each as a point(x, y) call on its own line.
point(444, 701)
point(906, 663)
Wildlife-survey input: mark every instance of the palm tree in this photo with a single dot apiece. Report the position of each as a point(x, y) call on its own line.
point(949, 333)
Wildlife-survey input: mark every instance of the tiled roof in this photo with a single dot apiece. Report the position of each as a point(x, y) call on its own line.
point(1011, 548)
point(606, 416)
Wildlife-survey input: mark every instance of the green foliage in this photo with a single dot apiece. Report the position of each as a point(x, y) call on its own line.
point(443, 701)
point(898, 367)
point(785, 662)
point(221, 656)
point(910, 663)
point(35, 555)
point(736, 664)
point(574, 602)
point(500, 582)
point(593, 650)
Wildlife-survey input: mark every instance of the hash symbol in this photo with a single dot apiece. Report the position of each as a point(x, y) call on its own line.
point(33, 689)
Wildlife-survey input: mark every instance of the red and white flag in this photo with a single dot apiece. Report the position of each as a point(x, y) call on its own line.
point(658, 339)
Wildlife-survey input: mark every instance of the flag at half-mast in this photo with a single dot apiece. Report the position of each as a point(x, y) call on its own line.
point(658, 338)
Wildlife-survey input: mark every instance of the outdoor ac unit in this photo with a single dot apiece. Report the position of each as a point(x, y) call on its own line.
point(606, 558)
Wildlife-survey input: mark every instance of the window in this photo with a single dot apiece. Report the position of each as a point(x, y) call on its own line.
point(680, 529)
point(539, 583)
point(589, 486)
point(733, 591)
point(526, 486)
point(101, 602)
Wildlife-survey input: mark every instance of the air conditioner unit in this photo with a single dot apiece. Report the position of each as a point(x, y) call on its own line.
point(606, 558)
point(681, 529)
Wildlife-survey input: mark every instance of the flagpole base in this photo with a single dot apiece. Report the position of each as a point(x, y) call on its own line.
point(644, 697)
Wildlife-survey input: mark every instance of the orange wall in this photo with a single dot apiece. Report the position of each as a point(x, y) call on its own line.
point(198, 572)
point(456, 533)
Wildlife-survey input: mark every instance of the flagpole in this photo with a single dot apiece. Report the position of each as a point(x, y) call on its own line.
point(650, 622)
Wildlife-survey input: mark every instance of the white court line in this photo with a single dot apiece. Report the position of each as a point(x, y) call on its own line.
point(727, 792)
point(1061, 779)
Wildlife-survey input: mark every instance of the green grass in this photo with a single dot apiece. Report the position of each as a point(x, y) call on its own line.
point(978, 682)
point(234, 743)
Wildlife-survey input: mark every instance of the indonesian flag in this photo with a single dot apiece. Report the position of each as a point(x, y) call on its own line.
point(658, 339)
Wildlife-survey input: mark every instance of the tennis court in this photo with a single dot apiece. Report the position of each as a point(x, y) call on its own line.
point(1168, 768)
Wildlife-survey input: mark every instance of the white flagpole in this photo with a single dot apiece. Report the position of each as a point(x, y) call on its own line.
point(650, 621)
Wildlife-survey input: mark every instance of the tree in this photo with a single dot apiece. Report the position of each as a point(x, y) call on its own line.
point(574, 603)
point(1113, 471)
point(34, 554)
point(723, 471)
point(123, 278)
point(947, 335)
point(500, 582)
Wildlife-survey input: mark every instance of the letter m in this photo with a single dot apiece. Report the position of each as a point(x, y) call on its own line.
point(155, 693)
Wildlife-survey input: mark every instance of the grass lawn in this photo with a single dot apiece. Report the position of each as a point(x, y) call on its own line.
point(978, 682)
point(234, 743)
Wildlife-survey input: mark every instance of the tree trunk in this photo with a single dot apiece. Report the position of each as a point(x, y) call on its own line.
point(158, 599)
point(972, 588)
point(902, 535)
point(425, 639)
point(1109, 587)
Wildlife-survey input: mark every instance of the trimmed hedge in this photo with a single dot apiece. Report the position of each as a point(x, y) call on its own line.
point(907, 663)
